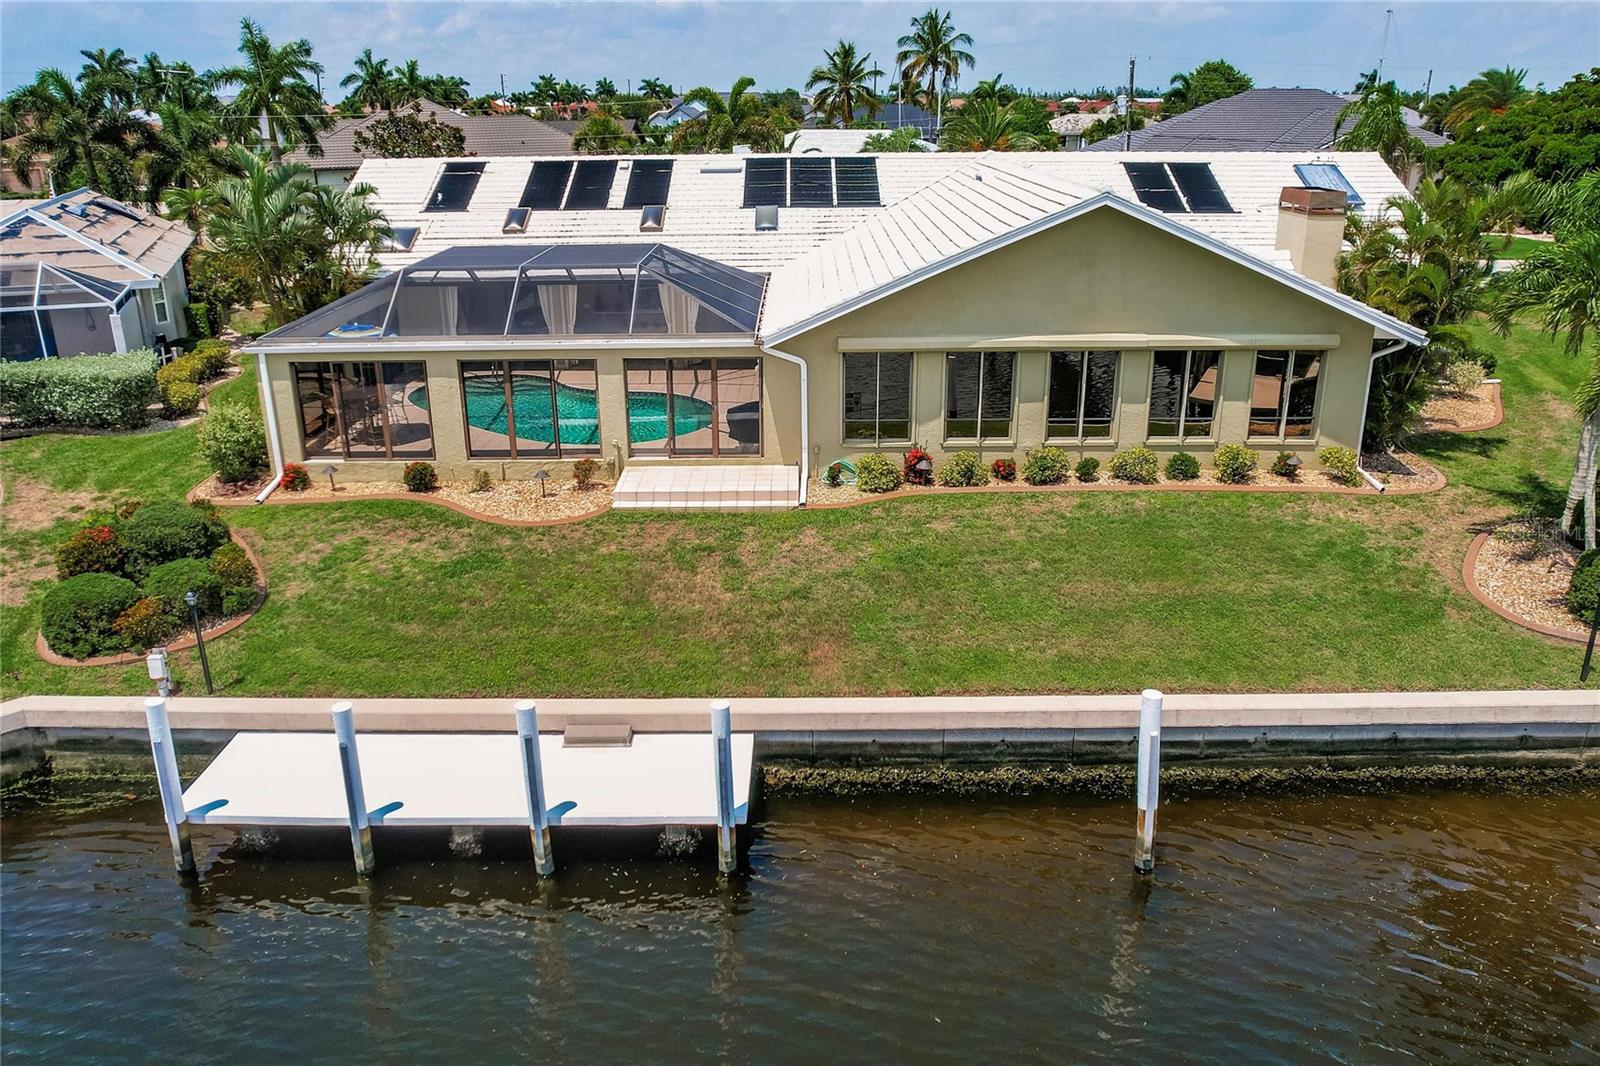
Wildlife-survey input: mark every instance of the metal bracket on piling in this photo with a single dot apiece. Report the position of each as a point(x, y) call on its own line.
point(164, 752)
point(533, 780)
point(354, 797)
point(722, 742)
point(1148, 787)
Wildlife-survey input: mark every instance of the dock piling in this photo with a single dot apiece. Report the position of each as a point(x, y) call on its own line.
point(354, 797)
point(533, 780)
point(165, 754)
point(1148, 786)
point(722, 739)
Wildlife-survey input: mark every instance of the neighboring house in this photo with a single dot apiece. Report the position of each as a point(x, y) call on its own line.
point(569, 126)
point(677, 110)
point(38, 170)
point(516, 134)
point(83, 273)
point(1071, 127)
point(786, 311)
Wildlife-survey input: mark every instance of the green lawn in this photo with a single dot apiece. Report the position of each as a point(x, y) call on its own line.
point(962, 593)
point(1520, 248)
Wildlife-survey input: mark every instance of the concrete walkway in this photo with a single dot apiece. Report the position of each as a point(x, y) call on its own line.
point(707, 488)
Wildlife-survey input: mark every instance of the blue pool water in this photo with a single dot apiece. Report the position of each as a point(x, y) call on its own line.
point(577, 409)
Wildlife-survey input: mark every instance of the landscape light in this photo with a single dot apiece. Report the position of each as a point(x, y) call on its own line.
point(541, 477)
point(199, 641)
point(328, 471)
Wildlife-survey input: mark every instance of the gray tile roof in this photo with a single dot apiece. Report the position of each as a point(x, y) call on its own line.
point(1258, 120)
point(497, 135)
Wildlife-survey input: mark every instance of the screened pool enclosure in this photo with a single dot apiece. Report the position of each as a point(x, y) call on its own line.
point(54, 311)
point(542, 290)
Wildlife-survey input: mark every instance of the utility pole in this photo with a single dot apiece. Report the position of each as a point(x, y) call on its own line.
point(1383, 49)
point(1127, 139)
point(1427, 89)
point(502, 86)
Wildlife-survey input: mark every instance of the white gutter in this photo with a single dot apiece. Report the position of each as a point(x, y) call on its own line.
point(1365, 403)
point(274, 434)
point(805, 417)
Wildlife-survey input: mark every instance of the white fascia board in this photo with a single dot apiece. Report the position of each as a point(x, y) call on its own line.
point(1386, 325)
point(398, 346)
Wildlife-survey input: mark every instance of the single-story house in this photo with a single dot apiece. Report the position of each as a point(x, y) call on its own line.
point(81, 273)
point(507, 135)
point(1071, 127)
point(780, 311)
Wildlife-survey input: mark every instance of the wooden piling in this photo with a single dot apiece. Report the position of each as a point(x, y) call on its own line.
point(1148, 786)
point(354, 797)
point(533, 780)
point(722, 739)
point(165, 754)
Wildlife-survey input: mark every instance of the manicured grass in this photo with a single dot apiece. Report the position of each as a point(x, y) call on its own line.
point(250, 321)
point(1520, 247)
point(954, 594)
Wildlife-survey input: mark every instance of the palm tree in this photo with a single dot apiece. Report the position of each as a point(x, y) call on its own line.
point(353, 229)
point(261, 226)
point(1490, 92)
point(984, 125)
point(408, 84)
point(191, 204)
point(655, 88)
point(369, 83)
point(448, 89)
point(743, 118)
point(546, 89)
point(992, 89)
point(79, 124)
point(275, 91)
point(112, 71)
point(933, 52)
point(185, 150)
point(604, 88)
point(841, 85)
point(1378, 124)
point(602, 134)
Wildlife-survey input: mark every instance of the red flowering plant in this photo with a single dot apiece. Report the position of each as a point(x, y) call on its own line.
point(915, 472)
point(1005, 469)
point(296, 478)
point(93, 549)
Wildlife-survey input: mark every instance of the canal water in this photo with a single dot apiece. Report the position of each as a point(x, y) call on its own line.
point(1431, 927)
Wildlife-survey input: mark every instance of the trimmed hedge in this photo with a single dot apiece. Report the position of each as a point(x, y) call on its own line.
point(87, 391)
point(169, 581)
point(1088, 469)
point(420, 477)
point(960, 469)
point(1585, 586)
point(79, 615)
point(877, 473)
point(1045, 466)
point(1182, 467)
point(1139, 465)
point(161, 532)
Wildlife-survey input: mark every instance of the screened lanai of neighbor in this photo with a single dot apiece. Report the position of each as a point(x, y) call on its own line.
point(51, 311)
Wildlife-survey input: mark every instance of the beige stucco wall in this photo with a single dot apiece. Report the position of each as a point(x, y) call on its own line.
point(1102, 273)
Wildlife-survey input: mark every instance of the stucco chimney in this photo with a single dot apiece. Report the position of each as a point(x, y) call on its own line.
point(1311, 230)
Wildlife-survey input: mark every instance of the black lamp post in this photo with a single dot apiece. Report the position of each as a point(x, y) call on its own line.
point(541, 477)
point(330, 470)
point(924, 469)
point(1594, 628)
point(1295, 463)
point(199, 641)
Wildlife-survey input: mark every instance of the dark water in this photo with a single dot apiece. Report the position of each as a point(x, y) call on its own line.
point(1424, 928)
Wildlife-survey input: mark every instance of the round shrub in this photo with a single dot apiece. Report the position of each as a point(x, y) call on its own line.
point(1340, 463)
point(1088, 469)
point(420, 477)
point(296, 478)
point(145, 625)
point(161, 532)
point(233, 567)
point(214, 357)
point(79, 615)
point(169, 581)
point(1585, 587)
point(960, 469)
point(1183, 467)
point(1283, 465)
point(1045, 466)
point(180, 400)
point(91, 550)
point(1463, 376)
point(1004, 469)
point(480, 481)
point(233, 441)
point(877, 473)
point(1234, 463)
point(1138, 465)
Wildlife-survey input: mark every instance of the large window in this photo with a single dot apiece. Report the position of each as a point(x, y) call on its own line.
point(1083, 394)
point(530, 408)
point(364, 410)
point(158, 303)
point(1283, 393)
point(977, 400)
point(877, 397)
point(708, 407)
point(1183, 393)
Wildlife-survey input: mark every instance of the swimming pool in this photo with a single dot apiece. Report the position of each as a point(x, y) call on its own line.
point(577, 410)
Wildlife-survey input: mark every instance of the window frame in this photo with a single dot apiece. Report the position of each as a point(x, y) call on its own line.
point(1011, 407)
point(670, 449)
point(1083, 392)
point(561, 450)
point(1290, 355)
point(1183, 400)
point(159, 306)
point(878, 439)
point(377, 365)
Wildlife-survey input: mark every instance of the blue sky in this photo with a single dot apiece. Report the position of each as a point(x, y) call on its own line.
point(691, 43)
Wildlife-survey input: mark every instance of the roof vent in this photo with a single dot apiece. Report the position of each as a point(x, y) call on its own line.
point(766, 218)
point(652, 217)
point(516, 221)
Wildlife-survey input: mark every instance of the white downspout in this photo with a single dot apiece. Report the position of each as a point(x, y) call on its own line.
point(1365, 403)
point(273, 432)
point(805, 418)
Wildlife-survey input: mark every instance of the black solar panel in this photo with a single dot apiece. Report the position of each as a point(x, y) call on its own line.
point(455, 187)
point(1200, 188)
point(811, 182)
point(766, 182)
point(591, 185)
point(857, 180)
point(649, 182)
point(547, 184)
point(1153, 186)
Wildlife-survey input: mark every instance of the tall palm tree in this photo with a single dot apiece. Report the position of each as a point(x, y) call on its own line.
point(602, 134)
point(604, 88)
point(546, 88)
point(842, 85)
point(185, 150)
point(275, 91)
point(353, 228)
point(408, 84)
point(655, 88)
point(261, 226)
point(448, 89)
point(112, 71)
point(1489, 93)
point(79, 124)
point(369, 82)
point(1377, 123)
point(743, 118)
point(984, 125)
point(933, 52)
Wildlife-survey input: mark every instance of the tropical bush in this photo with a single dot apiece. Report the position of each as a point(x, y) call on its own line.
point(79, 615)
point(420, 477)
point(233, 441)
point(170, 581)
point(89, 391)
point(1341, 464)
point(1004, 469)
point(1183, 467)
point(583, 472)
point(1585, 586)
point(961, 469)
point(1088, 469)
point(877, 473)
point(146, 624)
point(1283, 465)
point(94, 549)
point(296, 478)
point(161, 532)
point(214, 357)
point(910, 468)
point(198, 316)
point(233, 567)
point(1138, 465)
point(1234, 463)
point(1463, 376)
point(482, 482)
point(1045, 466)
point(180, 400)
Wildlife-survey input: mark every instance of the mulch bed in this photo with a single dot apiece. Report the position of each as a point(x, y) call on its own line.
point(1524, 578)
point(505, 502)
point(1454, 412)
